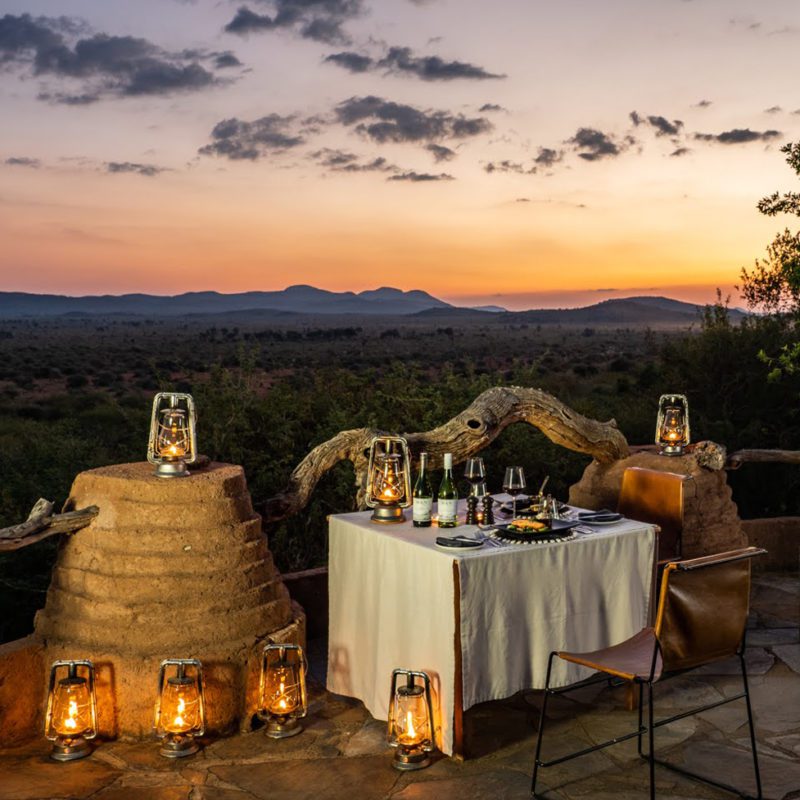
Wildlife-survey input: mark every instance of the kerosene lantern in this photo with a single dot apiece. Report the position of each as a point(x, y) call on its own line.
point(282, 695)
point(672, 427)
point(389, 479)
point(411, 720)
point(71, 718)
point(180, 716)
point(173, 440)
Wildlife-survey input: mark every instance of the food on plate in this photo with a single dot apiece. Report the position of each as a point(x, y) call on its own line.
point(528, 526)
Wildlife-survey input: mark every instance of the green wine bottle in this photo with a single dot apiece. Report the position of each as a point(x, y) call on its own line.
point(447, 499)
point(422, 495)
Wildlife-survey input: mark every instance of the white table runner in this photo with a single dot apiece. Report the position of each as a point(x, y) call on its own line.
point(392, 604)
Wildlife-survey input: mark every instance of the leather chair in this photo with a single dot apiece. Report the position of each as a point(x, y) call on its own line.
point(702, 618)
point(649, 495)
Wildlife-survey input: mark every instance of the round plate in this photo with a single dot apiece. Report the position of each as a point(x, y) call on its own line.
point(602, 524)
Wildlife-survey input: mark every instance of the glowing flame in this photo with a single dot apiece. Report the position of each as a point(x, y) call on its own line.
point(71, 721)
point(411, 732)
point(180, 722)
point(282, 705)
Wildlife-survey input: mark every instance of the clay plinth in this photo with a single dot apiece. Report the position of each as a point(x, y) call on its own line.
point(174, 568)
point(711, 521)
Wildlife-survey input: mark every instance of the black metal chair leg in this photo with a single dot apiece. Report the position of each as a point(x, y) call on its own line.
point(641, 711)
point(542, 718)
point(650, 741)
point(752, 727)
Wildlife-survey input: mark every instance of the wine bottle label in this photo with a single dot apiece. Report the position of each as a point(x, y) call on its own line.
point(447, 510)
point(422, 509)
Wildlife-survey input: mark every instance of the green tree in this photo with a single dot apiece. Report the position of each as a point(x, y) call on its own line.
point(773, 285)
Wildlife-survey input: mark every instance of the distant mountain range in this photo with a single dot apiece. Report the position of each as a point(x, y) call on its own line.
point(308, 300)
point(297, 299)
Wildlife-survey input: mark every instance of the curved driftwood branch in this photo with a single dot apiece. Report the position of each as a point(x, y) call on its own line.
point(464, 435)
point(735, 460)
point(42, 522)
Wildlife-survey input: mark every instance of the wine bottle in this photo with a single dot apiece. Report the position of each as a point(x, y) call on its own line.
point(422, 495)
point(447, 499)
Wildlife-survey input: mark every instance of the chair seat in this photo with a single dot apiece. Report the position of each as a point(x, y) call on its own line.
point(628, 660)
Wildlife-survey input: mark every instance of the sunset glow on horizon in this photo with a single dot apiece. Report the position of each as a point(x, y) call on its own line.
point(523, 155)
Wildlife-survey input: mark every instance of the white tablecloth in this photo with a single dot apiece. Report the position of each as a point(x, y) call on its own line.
point(392, 604)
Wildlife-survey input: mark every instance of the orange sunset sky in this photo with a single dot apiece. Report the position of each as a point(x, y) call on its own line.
point(519, 152)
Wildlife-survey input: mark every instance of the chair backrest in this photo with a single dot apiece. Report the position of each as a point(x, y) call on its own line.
point(703, 608)
point(650, 495)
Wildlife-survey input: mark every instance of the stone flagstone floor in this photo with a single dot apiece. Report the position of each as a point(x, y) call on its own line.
point(343, 755)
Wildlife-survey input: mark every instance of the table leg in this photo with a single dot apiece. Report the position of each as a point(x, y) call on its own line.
point(458, 686)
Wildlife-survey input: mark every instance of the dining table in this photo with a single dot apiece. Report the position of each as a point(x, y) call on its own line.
point(480, 622)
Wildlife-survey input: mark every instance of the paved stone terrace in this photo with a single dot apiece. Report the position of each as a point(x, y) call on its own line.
point(342, 753)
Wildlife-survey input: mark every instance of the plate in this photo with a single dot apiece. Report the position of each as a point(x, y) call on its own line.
point(464, 545)
point(559, 528)
point(601, 523)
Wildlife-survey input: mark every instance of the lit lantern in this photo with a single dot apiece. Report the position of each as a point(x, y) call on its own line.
point(389, 479)
point(282, 695)
point(180, 716)
point(173, 442)
point(71, 719)
point(411, 720)
point(672, 427)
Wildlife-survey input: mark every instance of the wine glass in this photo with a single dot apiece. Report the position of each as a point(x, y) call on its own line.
point(513, 484)
point(475, 474)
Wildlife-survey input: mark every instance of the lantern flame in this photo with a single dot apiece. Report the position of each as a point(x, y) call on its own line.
point(411, 733)
point(180, 722)
point(71, 722)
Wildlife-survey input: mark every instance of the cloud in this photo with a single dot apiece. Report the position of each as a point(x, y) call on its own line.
point(386, 121)
point(148, 170)
point(402, 61)
point(592, 145)
point(738, 136)
point(420, 177)
point(23, 161)
point(661, 125)
point(547, 157)
point(487, 107)
point(225, 60)
point(100, 64)
point(773, 110)
point(240, 140)
point(509, 166)
point(320, 20)
point(353, 62)
point(440, 152)
point(680, 151)
point(343, 161)
point(703, 104)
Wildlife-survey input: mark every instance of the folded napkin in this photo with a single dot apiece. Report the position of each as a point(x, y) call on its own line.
point(603, 515)
point(458, 541)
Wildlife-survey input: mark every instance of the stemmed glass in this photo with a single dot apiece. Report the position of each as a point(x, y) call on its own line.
point(475, 474)
point(513, 484)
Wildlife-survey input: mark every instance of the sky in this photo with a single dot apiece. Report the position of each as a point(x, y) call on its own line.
point(521, 153)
